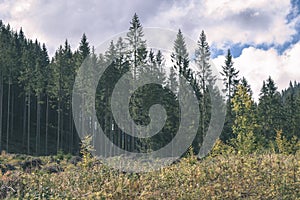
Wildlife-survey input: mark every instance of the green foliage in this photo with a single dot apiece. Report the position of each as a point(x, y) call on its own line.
point(221, 149)
point(230, 76)
point(244, 123)
point(267, 176)
point(286, 146)
point(270, 109)
point(86, 150)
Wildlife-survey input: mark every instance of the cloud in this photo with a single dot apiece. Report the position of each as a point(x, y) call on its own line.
point(54, 21)
point(227, 21)
point(257, 65)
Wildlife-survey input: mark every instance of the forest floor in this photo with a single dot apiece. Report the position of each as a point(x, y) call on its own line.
point(267, 176)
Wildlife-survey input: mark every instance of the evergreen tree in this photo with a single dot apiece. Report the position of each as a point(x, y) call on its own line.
point(206, 80)
point(38, 88)
point(270, 109)
point(137, 45)
point(137, 56)
point(245, 83)
point(291, 110)
point(84, 48)
point(4, 42)
point(244, 124)
point(172, 80)
point(230, 77)
point(180, 56)
point(26, 80)
point(230, 80)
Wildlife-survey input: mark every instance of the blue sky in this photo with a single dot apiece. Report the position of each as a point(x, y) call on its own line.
point(262, 35)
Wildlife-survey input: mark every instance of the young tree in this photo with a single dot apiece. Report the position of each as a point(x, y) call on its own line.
point(244, 123)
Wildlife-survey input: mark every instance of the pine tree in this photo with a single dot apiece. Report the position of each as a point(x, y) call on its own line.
point(230, 77)
point(38, 88)
point(82, 58)
point(270, 109)
point(291, 109)
point(172, 80)
point(137, 56)
point(160, 68)
point(84, 48)
point(137, 45)
point(48, 75)
point(27, 81)
point(206, 80)
point(180, 56)
point(69, 69)
point(230, 80)
point(244, 124)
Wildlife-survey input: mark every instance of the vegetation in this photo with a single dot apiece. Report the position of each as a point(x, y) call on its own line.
point(36, 94)
point(256, 157)
point(227, 176)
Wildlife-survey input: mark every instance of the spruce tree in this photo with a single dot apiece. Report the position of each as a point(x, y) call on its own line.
point(180, 56)
point(230, 80)
point(270, 109)
point(245, 83)
point(230, 77)
point(206, 80)
point(291, 110)
point(244, 123)
point(136, 45)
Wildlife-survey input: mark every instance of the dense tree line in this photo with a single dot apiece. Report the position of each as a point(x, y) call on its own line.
point(36, 95)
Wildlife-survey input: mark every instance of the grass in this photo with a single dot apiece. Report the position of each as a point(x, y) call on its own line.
point(267, 176)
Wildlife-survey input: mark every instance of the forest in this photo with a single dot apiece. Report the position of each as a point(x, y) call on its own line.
point(36, 95)
point(43, 157)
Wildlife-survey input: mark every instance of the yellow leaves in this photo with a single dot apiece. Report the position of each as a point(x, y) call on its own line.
point(244, 123)
point(286, 146)
point(220, 177)
point(221, 149)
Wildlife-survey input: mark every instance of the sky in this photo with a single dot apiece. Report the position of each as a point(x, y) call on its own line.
point(263, 35)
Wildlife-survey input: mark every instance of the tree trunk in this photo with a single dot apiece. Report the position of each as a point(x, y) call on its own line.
point(24, 122)
point(58, 126)
point(8, 114)
point(28, 123)
point(12, 113)
point(71, 128)
point(62, 129)
point(1, 107)
point(47, 125)
point(203, 107)
point(38, 124)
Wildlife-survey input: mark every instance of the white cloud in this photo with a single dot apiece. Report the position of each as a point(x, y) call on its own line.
point(252, 22)
point(54, 21)
point(224, 21)
point(257, 65)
